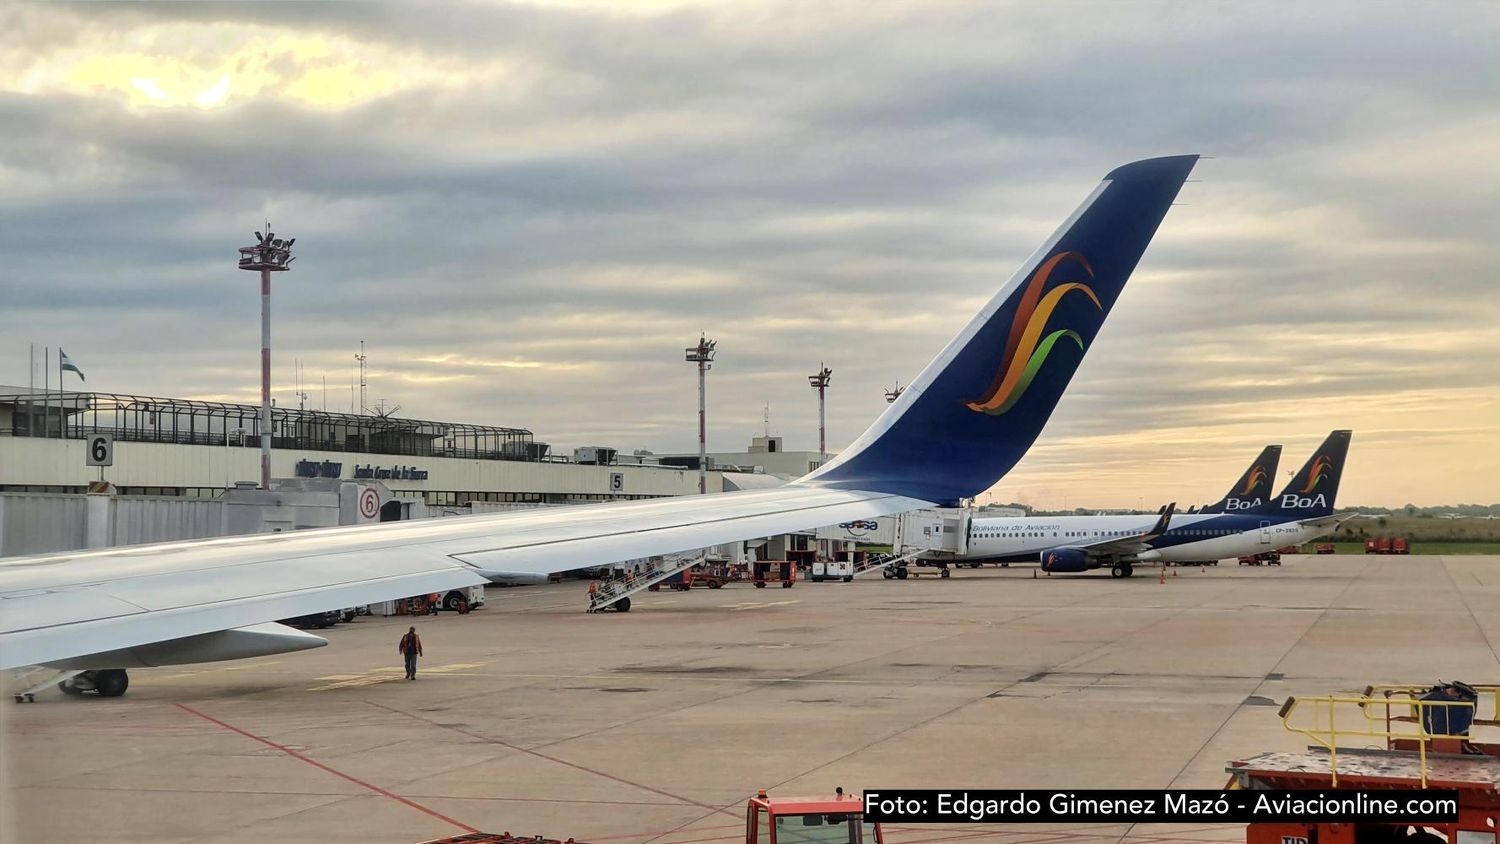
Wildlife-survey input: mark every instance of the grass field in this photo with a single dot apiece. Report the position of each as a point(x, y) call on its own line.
point(1438, 548)
point(1421, 530)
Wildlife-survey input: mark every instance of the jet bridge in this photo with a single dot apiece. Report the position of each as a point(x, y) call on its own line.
point(937, 533)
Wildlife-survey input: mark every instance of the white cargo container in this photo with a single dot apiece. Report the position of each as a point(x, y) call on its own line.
point(832, 570)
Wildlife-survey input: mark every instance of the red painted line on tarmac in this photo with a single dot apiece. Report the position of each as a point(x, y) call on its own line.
point(575, 766)
point(316, 764)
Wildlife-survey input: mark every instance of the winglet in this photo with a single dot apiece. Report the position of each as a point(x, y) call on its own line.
point(1162, 523)
point(980, 404)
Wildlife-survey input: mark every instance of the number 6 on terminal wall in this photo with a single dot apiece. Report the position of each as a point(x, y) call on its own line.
point(101, 450)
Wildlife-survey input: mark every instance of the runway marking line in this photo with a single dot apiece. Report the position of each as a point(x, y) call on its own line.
point(574, 765)
point(316, 764)
point(756, 605)
point(387, 675)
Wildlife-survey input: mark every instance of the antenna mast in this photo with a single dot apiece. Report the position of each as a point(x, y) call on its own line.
point(362, 383)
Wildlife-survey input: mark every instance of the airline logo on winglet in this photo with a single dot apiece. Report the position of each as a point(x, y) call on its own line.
point(1027, 350)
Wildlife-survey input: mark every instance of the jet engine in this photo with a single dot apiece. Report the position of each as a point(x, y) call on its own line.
point(1065, 559)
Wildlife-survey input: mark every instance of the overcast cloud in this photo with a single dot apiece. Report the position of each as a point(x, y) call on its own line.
point(528, 211)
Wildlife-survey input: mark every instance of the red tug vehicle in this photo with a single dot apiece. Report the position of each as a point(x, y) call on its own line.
point(768, 820)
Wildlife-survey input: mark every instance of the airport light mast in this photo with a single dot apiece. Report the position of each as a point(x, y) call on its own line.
point(819, 382)
point(269, 255)
point(703, 355)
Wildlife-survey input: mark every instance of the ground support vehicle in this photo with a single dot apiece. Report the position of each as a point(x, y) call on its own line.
point(1426, 733)
point(768, 820)
point(832, 570)
point(774, 571)
point(809, 820)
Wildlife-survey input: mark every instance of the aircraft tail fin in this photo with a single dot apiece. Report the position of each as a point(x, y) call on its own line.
point(1253, 489)
point(979, 405)
point(1314, 488)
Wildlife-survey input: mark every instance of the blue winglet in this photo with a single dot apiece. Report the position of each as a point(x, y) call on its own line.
point(977, 407)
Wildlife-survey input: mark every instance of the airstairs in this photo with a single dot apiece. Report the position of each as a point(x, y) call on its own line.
point(881, 562)
point(640, 574)
point(26, 683)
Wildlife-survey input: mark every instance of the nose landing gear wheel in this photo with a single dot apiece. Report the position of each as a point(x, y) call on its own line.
point(943, 573)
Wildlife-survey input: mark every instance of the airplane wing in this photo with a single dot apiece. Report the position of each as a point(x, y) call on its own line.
point(1332, 520)
point(1136, 543)
point(961, 425)
point(55, 608)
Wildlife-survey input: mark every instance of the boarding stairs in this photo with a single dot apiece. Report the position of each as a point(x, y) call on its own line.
point(879, 562)
point(26, 683)
point(641, 574)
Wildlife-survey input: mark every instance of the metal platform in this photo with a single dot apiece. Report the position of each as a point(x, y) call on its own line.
point(1371, 768)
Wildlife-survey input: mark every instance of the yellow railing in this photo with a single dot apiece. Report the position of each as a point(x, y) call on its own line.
point(1362, 725)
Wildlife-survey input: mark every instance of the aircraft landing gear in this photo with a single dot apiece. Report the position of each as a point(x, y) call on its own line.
point(944, 572)
point(108, 682)
point(1122, 570)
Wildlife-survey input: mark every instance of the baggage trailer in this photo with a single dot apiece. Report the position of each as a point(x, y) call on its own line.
point(774, 571)
point(678, 582)
point(709, 576)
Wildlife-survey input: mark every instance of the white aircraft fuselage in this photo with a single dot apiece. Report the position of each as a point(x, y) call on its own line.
point(1190, 537)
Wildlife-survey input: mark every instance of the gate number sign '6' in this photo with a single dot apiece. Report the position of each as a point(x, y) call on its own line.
point(101, 450)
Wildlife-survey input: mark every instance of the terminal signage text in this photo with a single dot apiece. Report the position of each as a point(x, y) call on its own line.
point(394, 473)
point(314, 469)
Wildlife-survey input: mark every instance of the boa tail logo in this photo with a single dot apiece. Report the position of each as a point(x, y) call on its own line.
point(1027, 349)
point(1254, 479)
point(1318, 472)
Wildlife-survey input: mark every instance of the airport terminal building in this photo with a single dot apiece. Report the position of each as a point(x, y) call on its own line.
point(196, 449)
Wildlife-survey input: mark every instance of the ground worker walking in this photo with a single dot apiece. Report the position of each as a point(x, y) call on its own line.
point(411, 648)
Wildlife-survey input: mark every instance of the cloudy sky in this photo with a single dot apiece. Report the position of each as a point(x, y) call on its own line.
point(528, 210)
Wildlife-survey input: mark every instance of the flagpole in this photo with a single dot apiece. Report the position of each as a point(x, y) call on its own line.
point(31, 393)
point(62, 415)
point(46, 391)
